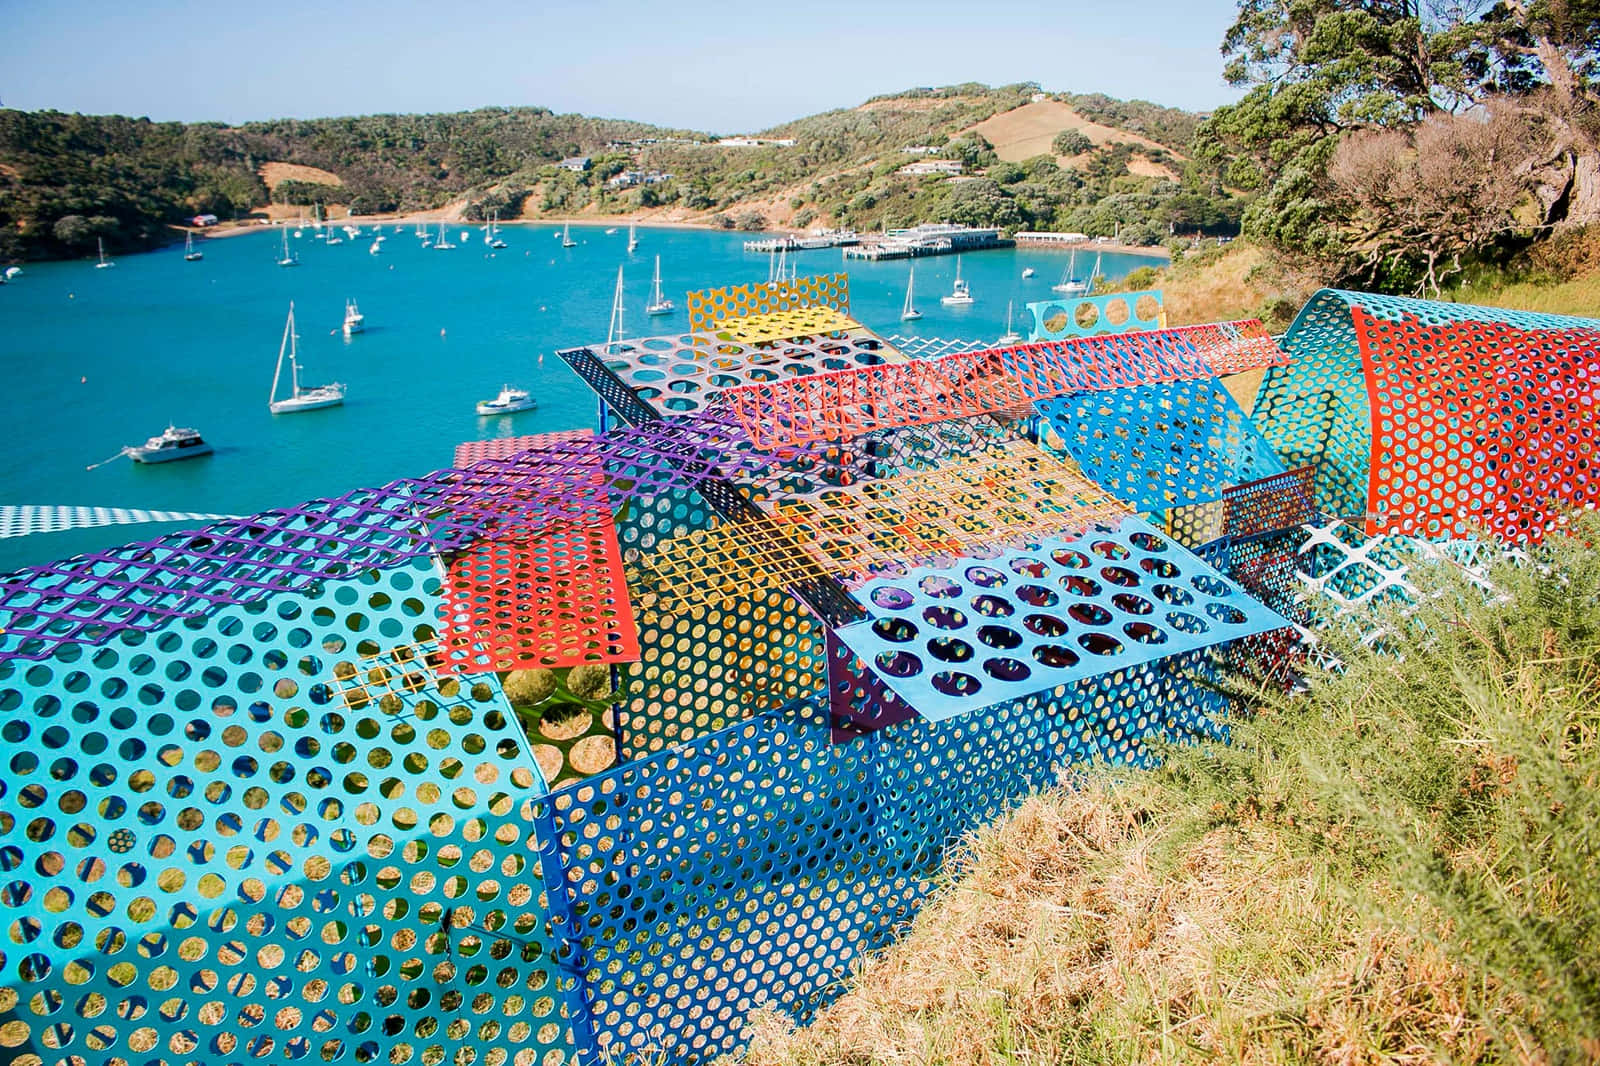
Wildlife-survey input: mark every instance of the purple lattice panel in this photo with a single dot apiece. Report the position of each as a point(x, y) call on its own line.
point(1266, 505)
point(144, 585)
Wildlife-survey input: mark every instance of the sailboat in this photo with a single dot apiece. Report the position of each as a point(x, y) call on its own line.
point(189, 254)
point(910, 312)
point(377, 246)
point(566, 236)
point(104, 264)
point(288, 258)
point(614, 332)
point(960, 295)
point(354, 320)
point(441, 243)
point(300, 399)
point(491, 236)
point(1094, 275)
point(1071, 285)
point(659, 304)
point(1010, 336)
point(633, 239)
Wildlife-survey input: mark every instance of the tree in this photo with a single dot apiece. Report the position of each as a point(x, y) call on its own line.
point(1320, 72)
point(1071, 142)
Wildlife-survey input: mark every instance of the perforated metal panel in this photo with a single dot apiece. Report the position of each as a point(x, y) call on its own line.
point(1084, 316)
point(709, 307)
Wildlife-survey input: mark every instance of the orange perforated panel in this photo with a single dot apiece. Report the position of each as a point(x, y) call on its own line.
point(711, 306)
point(549, 599)
point(1478, 425)
point(1234, 347)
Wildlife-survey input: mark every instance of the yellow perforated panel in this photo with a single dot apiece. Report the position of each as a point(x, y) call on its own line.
point(781, 325)
point(711, 306)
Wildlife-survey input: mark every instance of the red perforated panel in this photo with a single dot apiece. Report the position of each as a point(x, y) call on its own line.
point(1234, 347)
point(549, 599)
point(1478, 426)
point(474, 451)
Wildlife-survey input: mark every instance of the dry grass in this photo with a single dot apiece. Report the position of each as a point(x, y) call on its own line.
point(1575, 296)
point(1027, 131)
point(1240, 280)
point(1094, 926)
point(275, 174)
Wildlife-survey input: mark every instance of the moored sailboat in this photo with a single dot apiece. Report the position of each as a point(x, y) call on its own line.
point(300, 398)
point(910, 312)
point(659, 304)
point(190, 255)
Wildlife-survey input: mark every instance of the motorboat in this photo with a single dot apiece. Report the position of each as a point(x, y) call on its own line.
point(301, 397)
point(173, 443)
point(960, 295)
point(508, 402)
point(354, 320)
point(1027, 272)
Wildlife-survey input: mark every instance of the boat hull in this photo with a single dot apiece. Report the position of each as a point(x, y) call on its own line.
point(168, 455)
point(491, 408)
point(304, 403)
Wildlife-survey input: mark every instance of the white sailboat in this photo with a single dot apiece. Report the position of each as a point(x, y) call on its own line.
point(377, 246)
point(189, 253)
point(1010, 336)
point(566, 236)
point(1070, 284)
point(633, 238)
point(354, 320)
point(960, 295)
point(1095, 276)
point(659, 304)
point(104, 264)
point(909, 312)
point(287, 258)
point(441, 243)
point(299, 399)
point(492, 236)
point(614, 331)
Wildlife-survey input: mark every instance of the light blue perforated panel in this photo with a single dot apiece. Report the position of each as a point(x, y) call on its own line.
point(956, 639)
point(1089, 316)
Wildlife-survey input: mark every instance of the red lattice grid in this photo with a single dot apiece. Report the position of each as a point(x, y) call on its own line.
point(475, 451)
point(548, 599)
point(1234, 347)
point(1479, 425)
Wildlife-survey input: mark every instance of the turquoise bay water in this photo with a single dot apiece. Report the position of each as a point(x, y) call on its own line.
point(97, 359)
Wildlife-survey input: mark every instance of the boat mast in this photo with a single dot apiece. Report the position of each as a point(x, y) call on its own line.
point(283, 345)
point(911, 282)
point(614, 334)
point(656, 296)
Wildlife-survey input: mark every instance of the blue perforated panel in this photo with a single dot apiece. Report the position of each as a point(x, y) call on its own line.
point(1160, 446)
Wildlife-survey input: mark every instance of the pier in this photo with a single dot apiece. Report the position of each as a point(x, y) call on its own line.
point(928, 239)
point(833, 238)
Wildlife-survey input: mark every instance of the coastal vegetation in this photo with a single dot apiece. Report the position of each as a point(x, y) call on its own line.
point(1394, 864)
point(68, 180)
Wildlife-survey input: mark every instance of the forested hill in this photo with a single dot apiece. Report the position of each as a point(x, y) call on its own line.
point(1029, 160)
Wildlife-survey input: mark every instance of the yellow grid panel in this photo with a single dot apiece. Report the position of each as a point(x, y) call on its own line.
point(406, 668)
point(781, 325)
point(1005, 495)
point(741, 301)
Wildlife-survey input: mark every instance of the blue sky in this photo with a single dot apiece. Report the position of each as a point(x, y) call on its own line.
point(705, 64)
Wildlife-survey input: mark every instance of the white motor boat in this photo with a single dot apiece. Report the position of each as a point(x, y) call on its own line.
point(301, 398)
point(960, 295)
point(173, 443)
point(1027, 272)
point(508, 402)
point(354, 320)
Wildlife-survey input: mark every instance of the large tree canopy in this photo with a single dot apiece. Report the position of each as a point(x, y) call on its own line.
point(1367, 123)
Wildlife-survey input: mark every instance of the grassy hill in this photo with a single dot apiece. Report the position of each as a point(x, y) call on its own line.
point(66, 180)
point(1397, 867)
